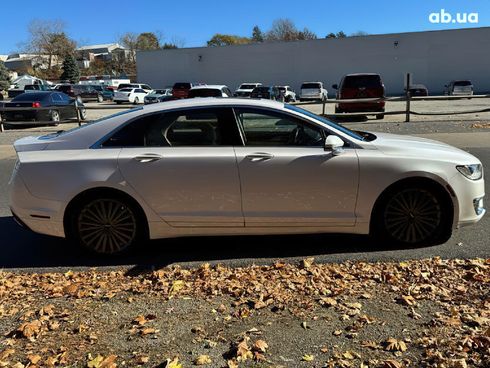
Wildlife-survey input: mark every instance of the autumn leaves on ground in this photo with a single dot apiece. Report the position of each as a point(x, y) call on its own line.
point(430, 313)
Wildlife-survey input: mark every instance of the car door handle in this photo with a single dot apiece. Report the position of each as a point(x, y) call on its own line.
point(148, 157)
point(259, 156)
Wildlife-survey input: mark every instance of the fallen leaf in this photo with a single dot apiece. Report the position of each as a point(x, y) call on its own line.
point(203, 360)
point(174, 363)
point(395, 345)
point(260, 345)
point(308, 358)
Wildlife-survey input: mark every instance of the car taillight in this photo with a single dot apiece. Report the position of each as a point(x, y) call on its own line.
point(36, 104)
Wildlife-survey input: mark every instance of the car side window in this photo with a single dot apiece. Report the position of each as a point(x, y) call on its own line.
point(185, 128)
point(268, 128)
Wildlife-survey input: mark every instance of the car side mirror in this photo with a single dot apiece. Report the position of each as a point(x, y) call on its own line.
point(335, 86)
point(334, 144)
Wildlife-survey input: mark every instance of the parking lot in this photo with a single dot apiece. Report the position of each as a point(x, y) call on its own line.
point(22, 248)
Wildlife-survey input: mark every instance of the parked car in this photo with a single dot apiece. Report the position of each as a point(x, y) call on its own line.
point(459, 88)
point(418, 90)
point(360, 86)
point(288, 93)
point(266, 92)
point(146, 87)
point(83, 92)
point(209, 91)
point(181, 89)
point(158, 95)
point(106, 92)
point(130, 95)
point(245, 89)
point(313, 91)
point(42, 106)
point(152, 172)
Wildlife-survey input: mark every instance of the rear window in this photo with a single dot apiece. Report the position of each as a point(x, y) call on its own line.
point(182, 85)
point(366, 81)
point(126, 90)
point(462, 83)
point(31, 96)
point(310, 85)
point(125, 85)
point(261, 89)
point(247, 86)
point(205, 92)
point(159, 91)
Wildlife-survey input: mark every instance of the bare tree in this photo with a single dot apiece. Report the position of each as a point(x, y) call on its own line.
point(285, 30)
point(48, 37)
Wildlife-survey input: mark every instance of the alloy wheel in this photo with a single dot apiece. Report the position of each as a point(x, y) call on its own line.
point(412, 216)
point(107, 226)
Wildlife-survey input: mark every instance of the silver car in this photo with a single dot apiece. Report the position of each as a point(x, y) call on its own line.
point(226, 166)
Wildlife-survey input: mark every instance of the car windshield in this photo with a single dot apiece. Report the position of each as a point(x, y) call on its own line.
point(159, 92)
point(462, 83)
point(32, 96)
point(247, 86)
point(310, 85)
point(205, 92)
point(357, 81)
point(344, 130)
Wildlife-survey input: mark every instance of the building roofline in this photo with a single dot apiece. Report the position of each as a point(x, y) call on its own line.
point(371, 36)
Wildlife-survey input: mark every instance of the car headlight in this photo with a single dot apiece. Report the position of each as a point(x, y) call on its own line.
point(472, 172)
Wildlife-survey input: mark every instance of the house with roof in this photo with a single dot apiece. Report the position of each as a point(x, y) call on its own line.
point(105, 52)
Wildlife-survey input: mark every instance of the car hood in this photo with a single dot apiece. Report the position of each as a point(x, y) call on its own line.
point(406, 145)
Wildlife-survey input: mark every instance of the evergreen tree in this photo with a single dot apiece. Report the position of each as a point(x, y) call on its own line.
point(257, 35)
point(71, 71)
point(4, 77)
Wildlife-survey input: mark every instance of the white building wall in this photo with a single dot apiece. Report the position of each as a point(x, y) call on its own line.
point(434, 58)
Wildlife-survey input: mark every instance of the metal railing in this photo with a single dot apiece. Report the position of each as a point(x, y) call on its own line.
point(407, 111)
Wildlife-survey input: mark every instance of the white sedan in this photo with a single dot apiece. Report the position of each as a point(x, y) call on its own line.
point(130, 95)
point(231, 166)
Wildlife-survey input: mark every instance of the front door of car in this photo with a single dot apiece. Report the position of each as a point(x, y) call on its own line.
point(183, 165)
point(287, 177)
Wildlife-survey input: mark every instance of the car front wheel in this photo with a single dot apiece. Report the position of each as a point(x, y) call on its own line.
point(106, 225)
point(414, 216)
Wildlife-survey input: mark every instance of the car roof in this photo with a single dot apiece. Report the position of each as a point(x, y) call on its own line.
point(211, 101)
point(210, 86)
point(250, 83)
point(312, 82)
point(360, 74)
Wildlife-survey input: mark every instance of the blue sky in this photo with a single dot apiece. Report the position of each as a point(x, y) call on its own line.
point(193, 22)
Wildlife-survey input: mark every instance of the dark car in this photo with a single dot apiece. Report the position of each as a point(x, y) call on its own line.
point(81, 91)
point(266, 92)
point(418, 90)
point(360, 86)
point(107, 93)
point(181, 89)
point(49, 106)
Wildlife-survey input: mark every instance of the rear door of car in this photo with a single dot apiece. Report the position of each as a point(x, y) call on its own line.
point(182, 163)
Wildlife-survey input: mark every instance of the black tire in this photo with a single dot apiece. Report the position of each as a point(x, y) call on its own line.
point(107, 224)
point(412, 215)
point(136, 100)
point(100, 98)
point(380, 117)
point(119, 102)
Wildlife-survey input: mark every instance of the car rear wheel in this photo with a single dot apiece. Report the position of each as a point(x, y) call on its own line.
point(106, 225)
point(136, 100)
point(100, 98)
point(414, 216)
point(54, 116)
